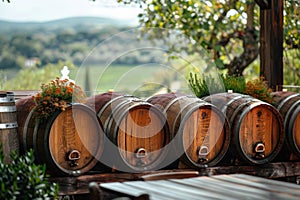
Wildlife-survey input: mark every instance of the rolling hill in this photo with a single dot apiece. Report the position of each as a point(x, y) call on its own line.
point(77, 23)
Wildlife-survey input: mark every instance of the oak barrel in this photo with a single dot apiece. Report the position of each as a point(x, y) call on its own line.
point(257, 127)
point(8, 125)
point(288, 104)
point(199, 130)
point(136, 132)
point(69, 142)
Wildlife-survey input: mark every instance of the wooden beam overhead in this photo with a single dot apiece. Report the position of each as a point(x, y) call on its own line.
point(264, 4)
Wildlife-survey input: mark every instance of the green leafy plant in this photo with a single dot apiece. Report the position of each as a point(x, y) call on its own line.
point(205, 85)
point(234, 83)
point(23, 179)
point(256, 88)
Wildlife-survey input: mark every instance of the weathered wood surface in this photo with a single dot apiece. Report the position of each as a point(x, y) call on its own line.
point(136, 127)
point(198, 128)
point(235, 186)
point(271, 42)
point(62, 141)
point(257, 129)
point(24, 93)
point(8, 125)
point(79, 185)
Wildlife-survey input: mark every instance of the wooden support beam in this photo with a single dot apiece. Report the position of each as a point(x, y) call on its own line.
point(271, 44)
point(264, 4)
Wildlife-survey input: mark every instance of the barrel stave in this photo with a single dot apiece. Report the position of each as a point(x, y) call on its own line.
point(199, 130)
point(69, 142)
point(136, 131)
point(8, 125)
point(256, 128)
point(288, 104)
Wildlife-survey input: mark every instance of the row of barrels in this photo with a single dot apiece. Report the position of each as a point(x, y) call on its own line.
point(130, 134)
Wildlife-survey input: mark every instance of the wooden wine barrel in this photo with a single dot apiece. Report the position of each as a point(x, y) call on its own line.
point(288, 104)
point(136, 132)
point(199, 130)
point(69, 142)
point(8, 125)
point(256, 126)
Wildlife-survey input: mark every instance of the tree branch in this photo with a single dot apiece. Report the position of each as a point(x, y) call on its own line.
point(250, 46)
point(227, 7)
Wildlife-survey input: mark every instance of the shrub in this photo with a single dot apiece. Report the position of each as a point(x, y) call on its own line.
point(22, 179)
point(259, 89)
point(234, 83)
point(55, 96)
point(204, 86)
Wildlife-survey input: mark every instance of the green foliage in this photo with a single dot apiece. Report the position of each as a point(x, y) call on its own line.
point(63, 42)
point(234, 83)
point(207, 84)
point(291, 70)
point(292, 24)
point(229, 29)
point(22, 179)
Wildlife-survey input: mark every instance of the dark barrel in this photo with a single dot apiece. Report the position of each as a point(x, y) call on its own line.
point(288, 104)
point(8, 125)
point(256, 126)
point(136, 132)
point(69, 142)
point(199, 130)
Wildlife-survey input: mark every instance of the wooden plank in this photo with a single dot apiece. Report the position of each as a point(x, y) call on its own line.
point(279, 192)
point(161, 191)
point(154, 193)
point(279, 184)
point(24, 93)
point(122, 188)
point(213, 191)
point(216, 187)
point(201, 192)
point(170, 175)
point(271, 170)
point(219, 188)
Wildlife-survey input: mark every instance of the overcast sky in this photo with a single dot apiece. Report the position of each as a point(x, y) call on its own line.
point(45, 10)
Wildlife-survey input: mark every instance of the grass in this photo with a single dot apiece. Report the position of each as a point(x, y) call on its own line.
point(117, 77)
point(129, 79)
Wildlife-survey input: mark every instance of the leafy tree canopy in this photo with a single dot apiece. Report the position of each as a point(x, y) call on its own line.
point(229, 29)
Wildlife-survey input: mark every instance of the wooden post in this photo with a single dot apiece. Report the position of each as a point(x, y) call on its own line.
point(271, 43)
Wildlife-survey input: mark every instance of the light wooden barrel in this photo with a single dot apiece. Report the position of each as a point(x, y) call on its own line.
point(69, 142)
point(199, 130)
point(256, 126)
point(135, 129)
point(288, 104)
point(8, 125)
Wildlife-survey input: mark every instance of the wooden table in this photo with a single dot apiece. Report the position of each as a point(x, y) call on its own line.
point(235, 186)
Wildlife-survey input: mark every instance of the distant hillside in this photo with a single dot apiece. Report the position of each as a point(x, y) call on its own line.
point(77, 23)
point(73, 39)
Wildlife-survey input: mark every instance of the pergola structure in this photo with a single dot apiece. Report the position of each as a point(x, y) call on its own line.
point(271, 42)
